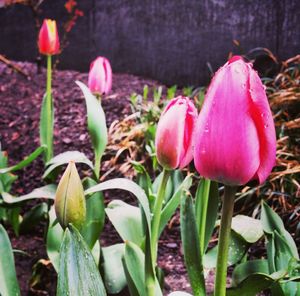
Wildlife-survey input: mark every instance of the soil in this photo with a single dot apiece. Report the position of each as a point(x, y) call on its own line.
point(20, 103)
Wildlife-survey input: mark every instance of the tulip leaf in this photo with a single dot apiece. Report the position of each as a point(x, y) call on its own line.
point(46, 125)
point(55, 237)
point(179, 293)
point(8, 280)
point(63, 159)
point(169, 187)
point(271, 222)
point(243, 270)
point(47, 192)
point(33, 217)
point(114, 276)
point(237, 250)
point(206, 210)
point(249, 228)
point(171, 206)
point(96, 124)
point(26, 161)
point(255, 283)
point(134, 266)
point(127, 220)
point(191, 245)
point(78, 272)
point(95, 215)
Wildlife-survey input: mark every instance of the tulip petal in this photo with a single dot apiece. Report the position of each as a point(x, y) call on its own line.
point(262, 116)
point(170, 134)
point(227, 146)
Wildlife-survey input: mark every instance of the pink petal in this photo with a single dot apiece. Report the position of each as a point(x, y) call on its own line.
point(262, 116)
point(227, 146)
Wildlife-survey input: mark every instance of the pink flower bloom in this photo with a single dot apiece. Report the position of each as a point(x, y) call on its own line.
point(100, 76)
point(48, 41)
point(175, 133)
point(235, 140)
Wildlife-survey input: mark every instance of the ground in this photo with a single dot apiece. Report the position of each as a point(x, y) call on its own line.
point(20, 102)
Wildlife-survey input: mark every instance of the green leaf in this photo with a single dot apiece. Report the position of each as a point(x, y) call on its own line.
point(134, 261)
point(46, 125)
point(26, 161)
point(237, 250)
point(179, 293)
point(245, 269)
point(254, 284)
point(169, 188)
point(33, 217)
point(206, 210)
point(248, 228)
point(114, 276)
point(96, 124)
point(8, 280)
point(127, 221)
point(63, 159)
point(54, 239)
point(14, 218)
point(47, 192)
point(271, 222)
point(173, 203)
point(191, 246)
point(78, 272)
point(95, 215)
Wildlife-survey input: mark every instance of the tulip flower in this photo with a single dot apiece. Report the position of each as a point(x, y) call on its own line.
point(70, 205)
point(235, 139)
point(48, 41)
point(100, 76)
point(175, 133)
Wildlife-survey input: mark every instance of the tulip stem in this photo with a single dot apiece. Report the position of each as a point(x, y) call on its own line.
point(49, 110)
point(224, 238)
point(157, 213)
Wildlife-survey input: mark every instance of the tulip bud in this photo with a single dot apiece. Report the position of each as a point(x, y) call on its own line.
point(100, 76)
point(174, 134)
point(69, 202)
point(48, 41)
point(235, 140)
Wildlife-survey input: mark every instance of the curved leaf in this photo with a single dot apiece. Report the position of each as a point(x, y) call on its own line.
point(78, 272)
point(63, 159)
point(26, 161)
point(96, 124)
point(127, 220)
point(47, 192)
point(8, 280)
point(114, 276)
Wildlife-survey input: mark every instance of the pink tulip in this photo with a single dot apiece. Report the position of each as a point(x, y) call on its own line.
point(235, 140)
point(48, 41)
point(175, 133)
point(100, 76)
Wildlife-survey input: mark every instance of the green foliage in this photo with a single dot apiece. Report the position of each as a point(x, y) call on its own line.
point(8, 279)
point(78, 272)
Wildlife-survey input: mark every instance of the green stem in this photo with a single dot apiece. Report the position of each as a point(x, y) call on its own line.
point(49, 153)
point(157, 213)
point(224, 237)
point(97, 166)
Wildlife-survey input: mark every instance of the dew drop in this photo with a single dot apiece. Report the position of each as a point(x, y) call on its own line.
point(206, 130)
point(244, 85)
point(266, 125)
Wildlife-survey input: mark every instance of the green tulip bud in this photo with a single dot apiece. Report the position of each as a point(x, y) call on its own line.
point(69, 202)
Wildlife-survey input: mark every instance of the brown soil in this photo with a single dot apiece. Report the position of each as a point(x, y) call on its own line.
point(20, 102)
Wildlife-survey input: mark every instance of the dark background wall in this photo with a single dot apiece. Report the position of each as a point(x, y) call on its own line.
point(169, 40)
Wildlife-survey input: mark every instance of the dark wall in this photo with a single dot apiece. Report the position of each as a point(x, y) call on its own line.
point(169, 40)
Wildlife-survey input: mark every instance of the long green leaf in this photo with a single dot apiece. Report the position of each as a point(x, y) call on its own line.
point(127, 221)
point(114, 276)
point(47, 192)
point(173, 203)
point(63, 159)
point(8, 280)
point(78, 272)
point(96, 124)
point(47, 125)
point(191, 246)
point(26, 161)
point(95, 215)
